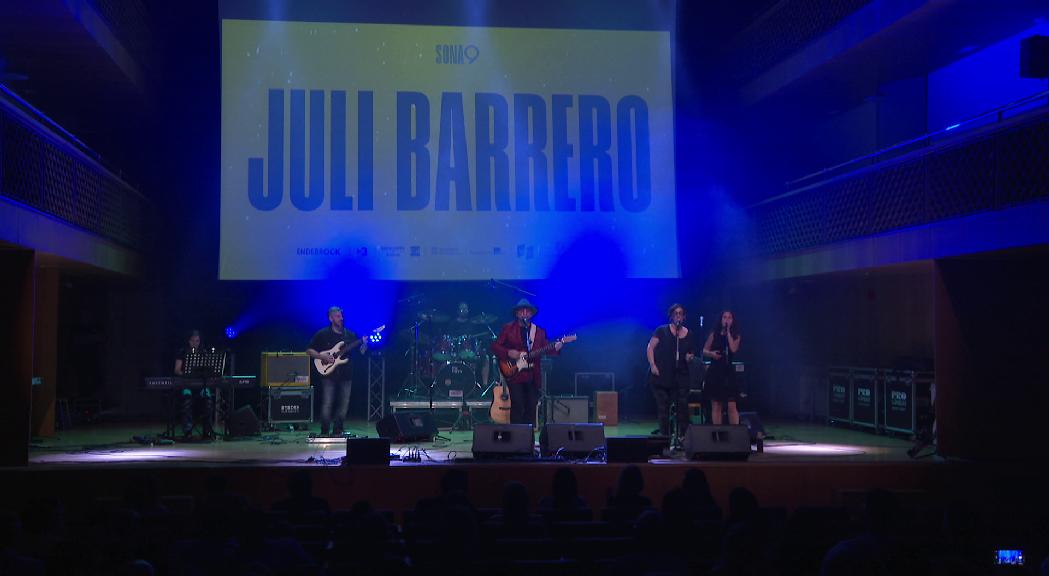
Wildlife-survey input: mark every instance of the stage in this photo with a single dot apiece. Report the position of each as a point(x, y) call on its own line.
point(114, 444)
point(801, 465)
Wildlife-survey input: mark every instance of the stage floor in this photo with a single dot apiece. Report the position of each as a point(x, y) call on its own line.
point(109, 444)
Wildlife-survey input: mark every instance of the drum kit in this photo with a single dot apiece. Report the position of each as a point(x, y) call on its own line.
point(450, 358)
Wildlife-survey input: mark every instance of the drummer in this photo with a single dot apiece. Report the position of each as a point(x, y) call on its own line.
point(472, 336)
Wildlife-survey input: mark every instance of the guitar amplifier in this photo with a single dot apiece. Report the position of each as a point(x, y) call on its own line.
point(289, 405)
point(574, 409)
point(285, 369)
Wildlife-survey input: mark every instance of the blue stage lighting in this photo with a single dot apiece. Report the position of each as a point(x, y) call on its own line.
point(231, 332)
point(375, 340)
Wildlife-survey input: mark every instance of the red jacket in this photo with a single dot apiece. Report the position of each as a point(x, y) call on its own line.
point(510, 339)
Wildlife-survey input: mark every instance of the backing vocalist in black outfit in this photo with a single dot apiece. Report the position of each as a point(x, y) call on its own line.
point(720, 385)
point(669, 352)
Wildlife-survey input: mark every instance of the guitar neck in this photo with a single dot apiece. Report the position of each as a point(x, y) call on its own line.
point(544, 350)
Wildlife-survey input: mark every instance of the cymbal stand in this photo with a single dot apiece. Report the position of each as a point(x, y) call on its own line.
point(413, 381)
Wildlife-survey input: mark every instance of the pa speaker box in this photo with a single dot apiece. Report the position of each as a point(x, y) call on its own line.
point(284, 369)
point(367, 451)
point(753, 423)
point(567, 409)
point(635, 448)
point(717, 442)
point(1034, 57)
point(606, 407)
point(243, 422)
point(574, 440)
point(401, 427)
point(503, 441)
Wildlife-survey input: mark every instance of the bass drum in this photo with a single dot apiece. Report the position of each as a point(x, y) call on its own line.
point(456, 381)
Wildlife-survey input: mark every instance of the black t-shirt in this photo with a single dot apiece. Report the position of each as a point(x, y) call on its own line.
point(325, 339)
point(459, 328)
point(672, 357)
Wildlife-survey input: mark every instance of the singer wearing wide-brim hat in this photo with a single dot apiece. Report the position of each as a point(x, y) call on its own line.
point(524, 303)
point(522, 336)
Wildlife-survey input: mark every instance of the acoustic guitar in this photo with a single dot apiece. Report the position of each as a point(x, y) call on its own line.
point(500, 408)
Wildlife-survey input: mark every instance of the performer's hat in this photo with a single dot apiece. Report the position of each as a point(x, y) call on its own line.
point(524, 303)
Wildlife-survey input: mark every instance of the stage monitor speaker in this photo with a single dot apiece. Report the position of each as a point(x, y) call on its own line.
point(606, 407)
point(279, 369)
point(635, 448)
point(571, 409)
point(571, 440)
point(367, 451)
point(244, 422)
point(753, 423)
point(717, 442)
point(1034, 57)
point(402, 427)
point(504, 441)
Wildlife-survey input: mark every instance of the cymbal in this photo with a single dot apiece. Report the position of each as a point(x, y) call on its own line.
point(484, 318)
point(435, 317)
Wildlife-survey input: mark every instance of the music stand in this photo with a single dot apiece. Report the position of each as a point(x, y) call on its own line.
point(204, 365)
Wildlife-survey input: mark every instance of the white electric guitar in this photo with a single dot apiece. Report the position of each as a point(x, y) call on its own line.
point(340, 353)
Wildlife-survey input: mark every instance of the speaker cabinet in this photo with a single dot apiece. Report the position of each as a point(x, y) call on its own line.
point(717, 442)
point(573, 409)
point(243, 422)
point(503, 441)
point(572, 440)
point(367, 451)
point(1034, 57)
point(402, 427)
point(279, 369)
point(606, 407)
point(635, 448)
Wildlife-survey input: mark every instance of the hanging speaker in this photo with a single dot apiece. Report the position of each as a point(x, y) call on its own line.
point(402, 427)
point(1034, 57)
point(717, 442)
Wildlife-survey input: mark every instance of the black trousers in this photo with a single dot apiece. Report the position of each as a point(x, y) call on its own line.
point(678, 396)
point(523, 399)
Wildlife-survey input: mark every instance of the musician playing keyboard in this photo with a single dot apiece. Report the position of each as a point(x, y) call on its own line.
point(516, 338)
point(206, 398)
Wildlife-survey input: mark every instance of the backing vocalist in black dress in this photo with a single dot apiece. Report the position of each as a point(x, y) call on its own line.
point(720, 386)
point(669, 352)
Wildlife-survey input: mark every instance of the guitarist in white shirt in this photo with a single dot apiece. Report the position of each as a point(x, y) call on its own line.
point(335, 386)
point(517, 338)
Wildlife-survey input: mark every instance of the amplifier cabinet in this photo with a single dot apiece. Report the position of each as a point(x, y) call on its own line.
point(278, 369)
point(289, 405)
